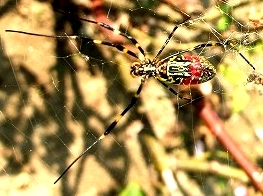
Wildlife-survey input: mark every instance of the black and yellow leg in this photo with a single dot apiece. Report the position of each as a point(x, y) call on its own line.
point(117, 46)
point(169, 38)
point(132, 103)
point(106, 26)
point(172, 90)
point(109, 129)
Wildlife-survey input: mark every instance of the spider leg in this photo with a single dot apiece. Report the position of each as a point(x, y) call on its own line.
point(246, 60)
point(132, 103)
point(74, 37)
point(109, 129)
point(117, 46)
point(170, 36)
point(106, 26)
point(172, 90)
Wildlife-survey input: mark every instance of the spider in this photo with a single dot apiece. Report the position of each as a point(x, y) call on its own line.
point(178, 68)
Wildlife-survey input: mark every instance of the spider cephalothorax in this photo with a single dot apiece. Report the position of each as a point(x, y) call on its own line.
point(145, 68)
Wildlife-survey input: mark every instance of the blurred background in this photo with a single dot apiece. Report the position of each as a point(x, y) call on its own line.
point(58, 95)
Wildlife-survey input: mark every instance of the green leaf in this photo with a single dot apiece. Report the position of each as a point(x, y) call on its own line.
point(235, 76)
point(240, 99)
point(132, 189)
point(225, 21)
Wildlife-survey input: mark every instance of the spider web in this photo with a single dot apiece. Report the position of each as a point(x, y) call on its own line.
point(59, 96)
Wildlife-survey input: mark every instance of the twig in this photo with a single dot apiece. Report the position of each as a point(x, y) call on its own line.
point(215, 126)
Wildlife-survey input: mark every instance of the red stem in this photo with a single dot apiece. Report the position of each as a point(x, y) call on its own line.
point(214, 124)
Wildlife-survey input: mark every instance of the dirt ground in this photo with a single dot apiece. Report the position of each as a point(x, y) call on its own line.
point(59, 95)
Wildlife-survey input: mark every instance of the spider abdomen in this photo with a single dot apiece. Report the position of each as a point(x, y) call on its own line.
point(185, 70)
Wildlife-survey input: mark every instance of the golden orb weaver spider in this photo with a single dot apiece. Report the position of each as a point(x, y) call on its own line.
point(178, 68)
